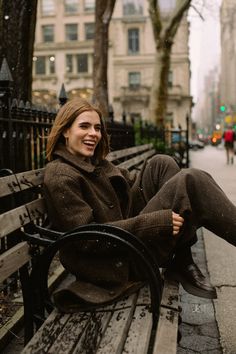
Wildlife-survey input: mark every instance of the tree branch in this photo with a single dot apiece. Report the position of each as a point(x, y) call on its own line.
point(108, 11)
point(173, 25)
point(198, 12)
point(155, 15)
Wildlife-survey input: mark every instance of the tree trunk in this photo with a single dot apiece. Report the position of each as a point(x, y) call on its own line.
point(103, 13)
point(17, 31)
point(159, 90)
point(164, 31)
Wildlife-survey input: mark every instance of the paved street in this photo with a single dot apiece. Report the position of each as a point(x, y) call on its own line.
point(209, 326)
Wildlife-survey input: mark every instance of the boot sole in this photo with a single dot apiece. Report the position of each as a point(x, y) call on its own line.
point(190, 288)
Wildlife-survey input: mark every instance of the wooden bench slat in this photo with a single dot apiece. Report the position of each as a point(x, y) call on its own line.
point(115, 335)
point(167, 331)
point(170, 295)
point(18, 217)
point(139, 332)
point(71, 332)
point(8, 186)
point(114, 155)
point(144, 296)
point(30, 179)
point(36, 208)
point(91, 337)
point(13, 220)
point(137, 159)
point(47, 333)
point(13, 259)
point(21, 181)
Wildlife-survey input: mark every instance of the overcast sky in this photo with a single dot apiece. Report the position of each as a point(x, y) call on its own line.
point(204, 44)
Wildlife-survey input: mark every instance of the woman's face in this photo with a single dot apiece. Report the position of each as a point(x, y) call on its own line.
point(84, 134)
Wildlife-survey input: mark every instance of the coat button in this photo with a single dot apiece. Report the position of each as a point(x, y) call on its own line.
point(111, 206)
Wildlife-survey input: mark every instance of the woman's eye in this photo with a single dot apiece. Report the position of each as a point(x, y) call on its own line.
point(83, 126)
point(98, 129)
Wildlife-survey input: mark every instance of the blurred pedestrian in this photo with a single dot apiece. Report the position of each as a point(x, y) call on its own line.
point(229, 138)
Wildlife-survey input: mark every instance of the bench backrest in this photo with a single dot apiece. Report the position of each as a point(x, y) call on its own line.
point(24, 189)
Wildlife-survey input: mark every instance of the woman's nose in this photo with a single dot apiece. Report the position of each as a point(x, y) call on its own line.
point(92, 131)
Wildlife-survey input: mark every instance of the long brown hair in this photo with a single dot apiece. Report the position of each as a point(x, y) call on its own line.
point(65, 118)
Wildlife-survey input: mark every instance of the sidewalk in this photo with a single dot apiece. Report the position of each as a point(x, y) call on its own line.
point(209, 325)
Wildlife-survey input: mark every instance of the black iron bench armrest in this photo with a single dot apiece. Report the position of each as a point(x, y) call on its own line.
point(107, 233)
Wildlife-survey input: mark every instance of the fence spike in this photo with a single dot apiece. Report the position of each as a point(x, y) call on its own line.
point(62, 95)
point(44, 109)
point(5, 73)
point(27, 105)
point(14, 103)
point(21, 104)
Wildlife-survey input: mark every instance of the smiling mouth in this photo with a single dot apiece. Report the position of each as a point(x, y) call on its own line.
point(90, 144)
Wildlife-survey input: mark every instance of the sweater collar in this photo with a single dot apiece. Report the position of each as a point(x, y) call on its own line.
point(74, 160)
point(111, 170)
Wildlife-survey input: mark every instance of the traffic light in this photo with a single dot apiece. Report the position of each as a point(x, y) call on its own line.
point(222, 108)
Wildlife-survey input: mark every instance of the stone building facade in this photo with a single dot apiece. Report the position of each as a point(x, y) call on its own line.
point(64, 54)
point(228, 57)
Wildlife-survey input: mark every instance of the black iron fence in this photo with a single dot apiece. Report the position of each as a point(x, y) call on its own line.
point(24, 130)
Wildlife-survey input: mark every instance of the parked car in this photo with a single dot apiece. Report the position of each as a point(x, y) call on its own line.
point(196, 144)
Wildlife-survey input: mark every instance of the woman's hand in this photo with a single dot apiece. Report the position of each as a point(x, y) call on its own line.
point(177, 221)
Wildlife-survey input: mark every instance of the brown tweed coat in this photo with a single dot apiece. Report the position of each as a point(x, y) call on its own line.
point(79, 193)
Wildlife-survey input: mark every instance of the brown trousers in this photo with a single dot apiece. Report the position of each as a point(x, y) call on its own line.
point(193, 194)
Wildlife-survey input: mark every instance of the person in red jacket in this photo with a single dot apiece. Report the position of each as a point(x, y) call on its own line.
point(229, 137)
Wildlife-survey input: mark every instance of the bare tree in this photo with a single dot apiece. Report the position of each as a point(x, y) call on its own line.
point(17, 30)
point(164, 32)
point(103, 14)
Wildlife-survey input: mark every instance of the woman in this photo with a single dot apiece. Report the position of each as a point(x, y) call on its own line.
point(162, 205)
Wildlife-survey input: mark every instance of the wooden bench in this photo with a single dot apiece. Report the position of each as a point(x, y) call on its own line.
point(137, 324)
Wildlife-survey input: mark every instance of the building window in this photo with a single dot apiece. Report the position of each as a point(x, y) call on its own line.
point(82, 63)
point(78, 63)
point(48, 7)
point(48, 33)
point(169, 124)
point(69, 63)
point(133, 40)
point(89, 5)
point(89, 29)
point(71, 30)
point(44, 65)
point(170, 78)
point(134, 80)
point(132, 7)
point(71, 6)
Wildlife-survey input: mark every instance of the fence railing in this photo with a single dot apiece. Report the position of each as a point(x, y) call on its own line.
point(24, 130)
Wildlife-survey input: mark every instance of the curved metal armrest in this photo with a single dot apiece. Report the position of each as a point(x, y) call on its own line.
point(41, 236)
point(110, 234)
point(123, 234)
